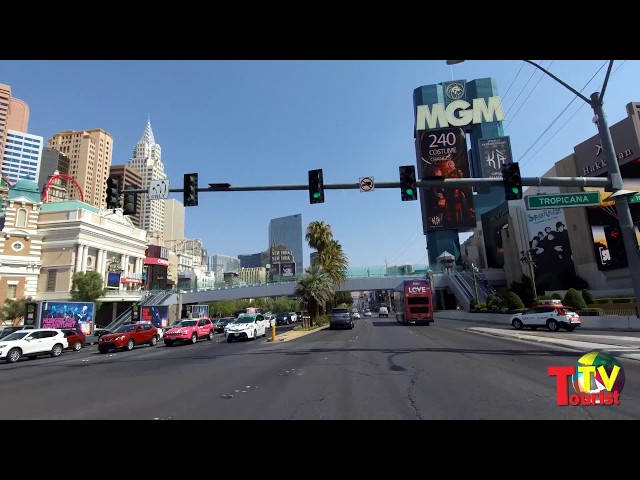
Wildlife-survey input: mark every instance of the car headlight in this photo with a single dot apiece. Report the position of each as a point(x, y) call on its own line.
point(121, 337)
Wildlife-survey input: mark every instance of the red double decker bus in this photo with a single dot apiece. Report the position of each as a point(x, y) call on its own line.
point(413, 300)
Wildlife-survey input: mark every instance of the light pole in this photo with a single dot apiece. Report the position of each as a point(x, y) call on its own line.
point(526, 257)
point(621, 201)
point(475, 282)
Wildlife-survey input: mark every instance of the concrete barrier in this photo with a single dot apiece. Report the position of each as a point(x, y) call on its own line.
point(609, 322)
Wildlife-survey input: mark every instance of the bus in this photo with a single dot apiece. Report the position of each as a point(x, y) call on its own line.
point(413, 300)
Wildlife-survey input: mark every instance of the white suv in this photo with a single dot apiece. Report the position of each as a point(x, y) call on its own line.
point(383, 312)
point(551, 314)
point(32, 343)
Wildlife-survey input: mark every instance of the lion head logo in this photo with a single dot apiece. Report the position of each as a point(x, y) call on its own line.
point(454, 91)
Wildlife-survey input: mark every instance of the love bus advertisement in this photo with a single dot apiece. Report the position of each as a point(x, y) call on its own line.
point(597, 379)
point(78, 316)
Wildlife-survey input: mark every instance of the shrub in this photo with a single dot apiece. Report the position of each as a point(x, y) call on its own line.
point(590, 312)
point(621, 300)
point(574, 299)
point(473, 304)
point(493, 302)
point(556, 296)
point(513, 301)
point(587, 296)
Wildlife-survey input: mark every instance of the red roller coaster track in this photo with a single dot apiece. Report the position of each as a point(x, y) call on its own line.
point(45, 192)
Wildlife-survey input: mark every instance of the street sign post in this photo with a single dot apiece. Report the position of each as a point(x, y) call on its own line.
point(158, 189)
point(562, 200)
point(367, 184)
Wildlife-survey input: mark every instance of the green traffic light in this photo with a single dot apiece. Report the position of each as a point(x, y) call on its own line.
point(316, 195)
point(409, 191)
point(515, 190)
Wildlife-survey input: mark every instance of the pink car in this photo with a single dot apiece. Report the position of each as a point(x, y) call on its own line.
point(189, 330)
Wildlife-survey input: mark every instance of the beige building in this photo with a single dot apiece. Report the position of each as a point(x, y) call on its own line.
point(14, 115)
point(20, 242)
point(253, 276)
point(90, 153)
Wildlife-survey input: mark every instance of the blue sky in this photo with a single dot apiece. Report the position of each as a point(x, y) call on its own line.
point(263, 122)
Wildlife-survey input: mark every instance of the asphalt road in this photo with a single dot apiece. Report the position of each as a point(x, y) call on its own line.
point(378, 370)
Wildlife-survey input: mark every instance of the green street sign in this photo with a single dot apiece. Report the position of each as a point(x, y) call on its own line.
point(563, 200)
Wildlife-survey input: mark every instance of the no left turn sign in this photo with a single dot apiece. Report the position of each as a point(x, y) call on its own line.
point(366, 184)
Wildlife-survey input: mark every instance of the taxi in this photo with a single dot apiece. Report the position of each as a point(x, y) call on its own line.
point(547, 313)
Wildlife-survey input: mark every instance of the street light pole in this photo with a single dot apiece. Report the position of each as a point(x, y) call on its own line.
point(615, 177)
point(475, 282)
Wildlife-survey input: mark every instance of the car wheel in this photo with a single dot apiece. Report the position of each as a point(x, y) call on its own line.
point(552, 325)
point(517, 323)
point(168, 344)
point(194, 338)
point(77, 346)
point(255, 334)
point(153, 341)
point(14, 355)
point(56, 350)
point(210, 336)
point(129, 346)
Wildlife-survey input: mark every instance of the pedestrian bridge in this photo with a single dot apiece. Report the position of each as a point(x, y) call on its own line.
point(356, 284)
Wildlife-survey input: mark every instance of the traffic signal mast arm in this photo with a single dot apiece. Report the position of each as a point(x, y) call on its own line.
point(600, 182)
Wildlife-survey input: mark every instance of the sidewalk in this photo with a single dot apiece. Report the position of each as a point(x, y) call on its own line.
point(617, 345)
point(292, 334)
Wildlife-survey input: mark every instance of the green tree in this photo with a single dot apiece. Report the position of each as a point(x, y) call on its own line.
point(334, 261)
point(318, 235)
point(87, 287)
point(315, 288)
point(13, 310)
point(573, 299)
point(513, 301)
point(587, 296)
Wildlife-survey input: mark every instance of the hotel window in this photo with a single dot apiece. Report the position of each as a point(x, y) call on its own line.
point(51, 280)
point(12, 291)
point(21, 218)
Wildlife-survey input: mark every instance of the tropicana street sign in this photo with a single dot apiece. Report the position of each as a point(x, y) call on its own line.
point(563, 200)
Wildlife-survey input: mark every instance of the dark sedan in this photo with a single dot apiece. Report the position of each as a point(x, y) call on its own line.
point(283, 318)
point(220, 323)
point(340, 318)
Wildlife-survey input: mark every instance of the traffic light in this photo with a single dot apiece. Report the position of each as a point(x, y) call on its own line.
point(512, 181)
point(113, 193)
point(190, 190)
point(130, 203)
point(316, 186)
point(408, 187)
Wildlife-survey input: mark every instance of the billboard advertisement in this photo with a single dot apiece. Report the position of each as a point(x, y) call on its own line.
point(549, 240)
point(443, 154)
point(157, 315)
point(494, 152)
point(113, 279)
point(605, 227)
point(77, 316)
point(288, 269)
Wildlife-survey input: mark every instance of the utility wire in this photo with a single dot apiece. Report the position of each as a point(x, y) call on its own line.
point(525, 100)
point(523, 89)
point(512, 81)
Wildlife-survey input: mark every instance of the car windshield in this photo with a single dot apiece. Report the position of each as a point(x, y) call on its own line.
point(15, 336)
point(186, 323)
point(339, 310)
point(245, 319)
point(125, 329)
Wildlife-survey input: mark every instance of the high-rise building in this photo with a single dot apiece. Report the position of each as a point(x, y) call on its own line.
point(90, 153)
point(128, 179)
point(173, 220)
point(14, 115)
point(221, 264)
point(147, 160)
point(51, 161)
point(287, 232)
point(253, 260)
point(21, 158)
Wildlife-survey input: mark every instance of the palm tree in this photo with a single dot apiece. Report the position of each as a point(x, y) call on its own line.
point(334, 261)
point(315, 287)
point(318, 235)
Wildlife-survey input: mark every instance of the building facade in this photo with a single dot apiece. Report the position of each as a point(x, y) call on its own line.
point(52, 161)
point(90, 153)
point(147, 159)
point(22, 153)
point(128, 178)
point(221, 264)
point(14, 115)
point(20, 242)
point(287, 232)
point(253, 260)
point(253, 276)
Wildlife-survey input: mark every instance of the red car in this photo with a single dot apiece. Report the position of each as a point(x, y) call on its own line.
point(128, 336)
point(189, 330)
point(76, 340)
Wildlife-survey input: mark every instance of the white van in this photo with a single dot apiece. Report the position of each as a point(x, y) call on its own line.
point(383, 312)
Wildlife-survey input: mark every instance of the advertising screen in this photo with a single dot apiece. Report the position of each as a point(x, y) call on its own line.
point(443, 154)
point(157, 315)
point(78, 316)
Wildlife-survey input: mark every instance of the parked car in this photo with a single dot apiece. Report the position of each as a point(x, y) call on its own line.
point(189, 330)
point(128, 336)
point(32, 343)
point(247, 325)
point(284, 318)
point(549, 313)
point(4, 331)
point(340, 318)
point(75, 339)
point(303, 316)
point(220, 323)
